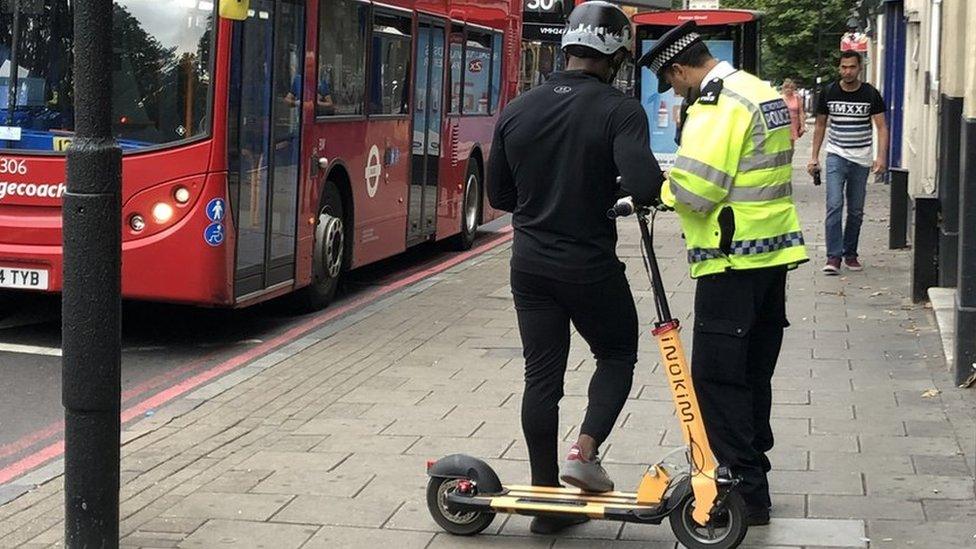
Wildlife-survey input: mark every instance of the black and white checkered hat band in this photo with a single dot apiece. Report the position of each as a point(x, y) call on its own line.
point(671, 51)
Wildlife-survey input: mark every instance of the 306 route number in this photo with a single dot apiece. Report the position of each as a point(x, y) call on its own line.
point(13, 166)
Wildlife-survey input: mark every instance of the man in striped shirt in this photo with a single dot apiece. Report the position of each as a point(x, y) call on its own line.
point(851, 107)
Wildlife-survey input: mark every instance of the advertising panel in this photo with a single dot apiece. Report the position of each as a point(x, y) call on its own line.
point(663, 110)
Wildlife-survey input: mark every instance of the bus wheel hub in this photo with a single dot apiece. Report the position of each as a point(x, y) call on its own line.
point(331, 242)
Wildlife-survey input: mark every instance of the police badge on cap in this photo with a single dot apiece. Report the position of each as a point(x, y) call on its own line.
point(666, 49)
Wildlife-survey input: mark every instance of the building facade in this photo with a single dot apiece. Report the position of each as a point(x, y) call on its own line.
point(928, 48)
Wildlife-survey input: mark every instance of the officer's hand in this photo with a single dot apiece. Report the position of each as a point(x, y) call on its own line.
point(812, 167)
point(662, 207)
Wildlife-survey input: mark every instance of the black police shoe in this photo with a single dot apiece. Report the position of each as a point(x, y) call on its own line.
point(757, 515)
point(553, 525)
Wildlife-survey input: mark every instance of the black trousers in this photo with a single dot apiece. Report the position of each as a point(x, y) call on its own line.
point(739, 322)
point(605, 315)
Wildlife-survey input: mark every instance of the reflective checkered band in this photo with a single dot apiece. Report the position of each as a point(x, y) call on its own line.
point(749, 247)
point(697, 255)
point(766, 245)
point(672, 50)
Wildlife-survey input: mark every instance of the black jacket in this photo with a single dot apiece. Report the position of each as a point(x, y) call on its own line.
point(554, 162)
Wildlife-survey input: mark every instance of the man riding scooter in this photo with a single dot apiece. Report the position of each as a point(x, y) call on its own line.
point(555, 159)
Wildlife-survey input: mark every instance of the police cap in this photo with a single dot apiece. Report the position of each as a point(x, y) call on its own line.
point(667, 48)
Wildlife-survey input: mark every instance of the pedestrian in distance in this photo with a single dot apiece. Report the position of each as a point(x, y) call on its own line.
point(731, 188)
point(846, 111)
point(798, 115)
point(555, 158)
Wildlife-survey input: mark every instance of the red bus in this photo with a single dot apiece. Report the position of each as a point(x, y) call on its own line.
point(261, 156)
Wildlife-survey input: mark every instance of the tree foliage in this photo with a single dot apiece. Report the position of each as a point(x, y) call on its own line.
point(791, 33)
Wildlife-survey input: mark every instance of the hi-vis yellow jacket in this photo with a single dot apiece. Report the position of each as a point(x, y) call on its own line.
point(731, 181)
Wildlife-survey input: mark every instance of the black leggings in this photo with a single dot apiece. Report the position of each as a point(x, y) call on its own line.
point(604, 314)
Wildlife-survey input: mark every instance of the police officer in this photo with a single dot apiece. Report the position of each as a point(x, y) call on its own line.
point(557, 152)
point(731, 188)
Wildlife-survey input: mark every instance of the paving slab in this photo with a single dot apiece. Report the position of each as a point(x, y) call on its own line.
point(919, 486)
point(808, 533)
point(901, 533)
point(367, 444)
point(330, 537)
point(957, 466)
point(864, 507)
point(309, 461)
point(947, 510)
point(213, 505)
point(814, 482)
point(298, 482)
point(248, 535)
point(360, 512)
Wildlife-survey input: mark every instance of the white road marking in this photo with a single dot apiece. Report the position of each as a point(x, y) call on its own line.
point(29, 349)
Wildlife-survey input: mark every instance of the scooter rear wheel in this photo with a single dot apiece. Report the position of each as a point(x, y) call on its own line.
point(724, 531)
point(460, 524)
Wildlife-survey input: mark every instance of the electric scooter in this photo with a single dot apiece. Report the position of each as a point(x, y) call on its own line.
point(701, 502)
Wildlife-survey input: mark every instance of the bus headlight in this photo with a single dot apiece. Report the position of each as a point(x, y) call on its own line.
point(162, 207)
point(162, 212)
point(182, 195)
point(137, 223)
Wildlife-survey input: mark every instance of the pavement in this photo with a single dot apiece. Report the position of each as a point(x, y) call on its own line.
point(323, 442)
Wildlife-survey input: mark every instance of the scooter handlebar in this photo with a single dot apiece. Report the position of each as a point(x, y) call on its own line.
point(624, 207)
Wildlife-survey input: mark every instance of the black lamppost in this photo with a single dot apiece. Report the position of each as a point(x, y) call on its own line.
point(91, 302)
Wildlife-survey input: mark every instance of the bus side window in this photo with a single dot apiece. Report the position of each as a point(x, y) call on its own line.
point(457, 75)
point(341, 88)
point(477, 72)
point(497, 54)
point(390, 67)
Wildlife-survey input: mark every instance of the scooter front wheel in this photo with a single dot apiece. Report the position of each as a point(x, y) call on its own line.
point(460, 524)
point(725, 530)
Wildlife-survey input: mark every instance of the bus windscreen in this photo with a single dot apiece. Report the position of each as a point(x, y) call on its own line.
point(161, 67)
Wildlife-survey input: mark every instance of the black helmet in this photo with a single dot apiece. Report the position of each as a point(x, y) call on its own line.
point(599, 25)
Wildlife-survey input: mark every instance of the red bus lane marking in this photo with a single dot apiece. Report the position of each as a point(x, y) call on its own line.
point(34, 460)
point(31, 439)
point(163, 397)
point(56, 428)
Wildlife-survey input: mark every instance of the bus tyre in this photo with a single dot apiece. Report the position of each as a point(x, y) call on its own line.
point(725, 530)
point(459, 524)
point(470, 208)
point(329, 255)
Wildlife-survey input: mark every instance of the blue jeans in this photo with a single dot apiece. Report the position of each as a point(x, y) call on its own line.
point(844, 175)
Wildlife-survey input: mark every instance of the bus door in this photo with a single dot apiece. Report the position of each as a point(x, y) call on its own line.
point(428, 113)
point(264, 151)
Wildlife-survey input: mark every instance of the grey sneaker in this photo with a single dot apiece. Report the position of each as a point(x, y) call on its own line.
point(589, 476)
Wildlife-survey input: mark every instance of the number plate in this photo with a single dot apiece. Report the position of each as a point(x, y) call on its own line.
point(24, 279)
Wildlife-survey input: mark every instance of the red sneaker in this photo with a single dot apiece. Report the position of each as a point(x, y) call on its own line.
point(832, 267)
point(853, 264)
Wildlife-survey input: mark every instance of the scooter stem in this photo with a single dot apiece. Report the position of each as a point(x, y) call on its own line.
point(704, 467)
point(660, 298)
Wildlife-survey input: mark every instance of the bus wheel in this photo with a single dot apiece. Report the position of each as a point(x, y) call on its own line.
point(329, 254)
point(470, 208)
